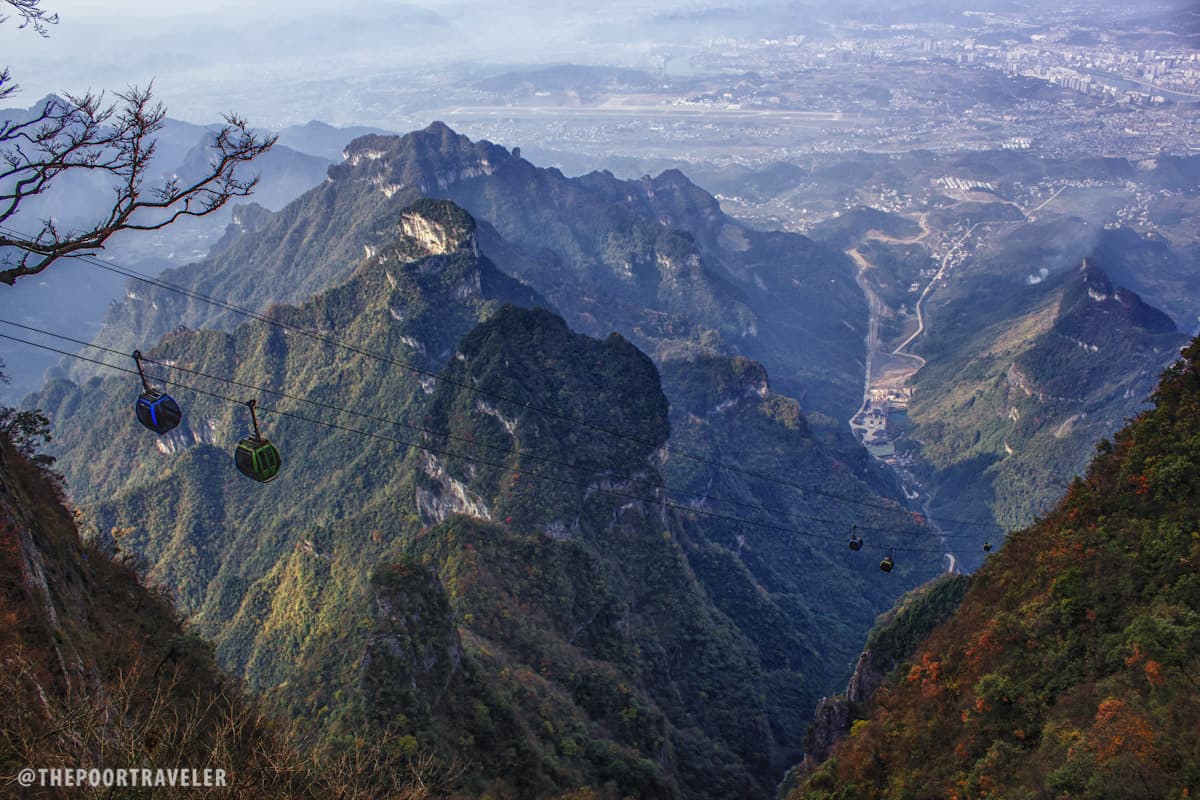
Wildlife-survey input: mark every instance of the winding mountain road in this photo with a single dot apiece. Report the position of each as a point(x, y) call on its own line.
point(920, 304)
point(875, 307)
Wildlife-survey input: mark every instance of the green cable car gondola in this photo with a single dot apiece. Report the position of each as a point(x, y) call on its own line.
point(888, 563)
point(155, 410)
point(255, 456)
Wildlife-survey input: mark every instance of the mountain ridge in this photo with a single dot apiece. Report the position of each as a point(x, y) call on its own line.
point(654, 259)
point(1014, 390)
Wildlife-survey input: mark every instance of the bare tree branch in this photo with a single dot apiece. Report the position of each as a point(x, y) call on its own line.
point(85, 134)
point(32, 15)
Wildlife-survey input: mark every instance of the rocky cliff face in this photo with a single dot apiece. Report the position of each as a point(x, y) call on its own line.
point(831, 724)
point(654, 259)
point(834, 716)
point(44, 568)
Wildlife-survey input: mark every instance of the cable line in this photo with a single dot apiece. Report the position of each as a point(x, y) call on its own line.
point(661, 485)
point(716, 462)
point(439, 451)
point(395, 422)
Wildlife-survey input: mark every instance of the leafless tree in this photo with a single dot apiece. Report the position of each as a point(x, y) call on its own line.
point(87, 134)
point(31, 14)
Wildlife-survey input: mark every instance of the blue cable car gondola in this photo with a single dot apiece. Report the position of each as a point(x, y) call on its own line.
point(855, 539)
point(156, 410)
point(255, 456)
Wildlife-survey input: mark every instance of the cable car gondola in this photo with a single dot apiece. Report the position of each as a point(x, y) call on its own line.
point(156, 410)
point(255, 456)
point(855, 539)
point(987, 547)
point(887, 564)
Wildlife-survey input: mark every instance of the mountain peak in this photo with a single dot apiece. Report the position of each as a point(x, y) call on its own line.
point(1095, 293)
point(425, 161)
point(438, 128)
point(1098, 286)
point(440, 227)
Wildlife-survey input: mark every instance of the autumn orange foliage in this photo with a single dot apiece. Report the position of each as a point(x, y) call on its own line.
point(1071, 667)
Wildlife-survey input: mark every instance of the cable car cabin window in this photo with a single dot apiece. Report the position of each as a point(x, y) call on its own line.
point(257, 459)
point(158, 412)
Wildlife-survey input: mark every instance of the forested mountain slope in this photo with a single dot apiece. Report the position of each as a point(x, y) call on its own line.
point(100, 673)
point(1022, 378)
point(1069, 670)
point(505, 587)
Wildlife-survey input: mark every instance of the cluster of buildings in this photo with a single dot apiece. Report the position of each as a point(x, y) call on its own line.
point(1100, 67)
point(965, 184)
point(871, 422)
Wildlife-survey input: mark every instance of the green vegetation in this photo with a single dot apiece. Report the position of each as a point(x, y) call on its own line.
point(894, 270)
point(99, 672)
point(1069, 670)
point(516, 602)
point(898, 632)
point(852, 226)
point(1020, 379)
point(802, 596)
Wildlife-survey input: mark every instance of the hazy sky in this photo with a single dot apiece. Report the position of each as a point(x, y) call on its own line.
point(133, 40)
point(199, 53)
point(279, 62)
